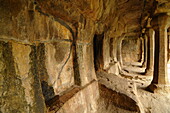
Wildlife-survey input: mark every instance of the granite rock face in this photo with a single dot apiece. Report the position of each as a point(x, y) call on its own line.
point(80, 56)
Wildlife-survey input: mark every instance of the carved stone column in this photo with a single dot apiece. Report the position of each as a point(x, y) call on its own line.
point(145, 51)
point(150, 33)
point(160, 79)
point(119, 48)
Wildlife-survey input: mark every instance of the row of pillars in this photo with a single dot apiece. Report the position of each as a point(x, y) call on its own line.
point(156, 56)
point(155, 49)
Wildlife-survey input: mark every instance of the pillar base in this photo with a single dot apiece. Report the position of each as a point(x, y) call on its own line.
point(149, 73)
point(159, 88)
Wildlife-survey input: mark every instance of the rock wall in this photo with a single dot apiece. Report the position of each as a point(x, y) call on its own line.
point(131, 50)
point(40, 57)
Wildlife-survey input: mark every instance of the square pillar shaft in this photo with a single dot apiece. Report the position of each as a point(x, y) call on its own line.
point(163, 51)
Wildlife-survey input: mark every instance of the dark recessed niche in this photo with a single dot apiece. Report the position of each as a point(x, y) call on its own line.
point(98, 51)
point(111, 47)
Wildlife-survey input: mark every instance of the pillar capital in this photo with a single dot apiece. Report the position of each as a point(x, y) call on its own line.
point(160, 21)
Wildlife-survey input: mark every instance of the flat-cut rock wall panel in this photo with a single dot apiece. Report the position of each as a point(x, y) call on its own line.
point(131, 50)
point(59, 65)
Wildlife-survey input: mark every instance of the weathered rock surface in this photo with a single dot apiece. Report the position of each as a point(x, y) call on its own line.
point(52, 50)
point(20, 84)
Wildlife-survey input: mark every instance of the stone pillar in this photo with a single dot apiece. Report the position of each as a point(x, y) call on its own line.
point(85, 62)
point(112, 53)
point(145, 51)
point(160, 79)
point(114, 65)
point(150, 33)
point(115, 49)
point(84, 52)
point(106, 52)
point(119, 48)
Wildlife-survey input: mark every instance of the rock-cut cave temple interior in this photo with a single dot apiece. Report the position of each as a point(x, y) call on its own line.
point(84, 56)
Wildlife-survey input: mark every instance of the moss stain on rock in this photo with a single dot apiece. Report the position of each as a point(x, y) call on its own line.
point(12, 92)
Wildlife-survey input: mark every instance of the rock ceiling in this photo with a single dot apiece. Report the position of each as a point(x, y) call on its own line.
point(129, 15)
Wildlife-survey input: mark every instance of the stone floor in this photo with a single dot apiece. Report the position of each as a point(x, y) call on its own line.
point(118, 94)
point(134, 88)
